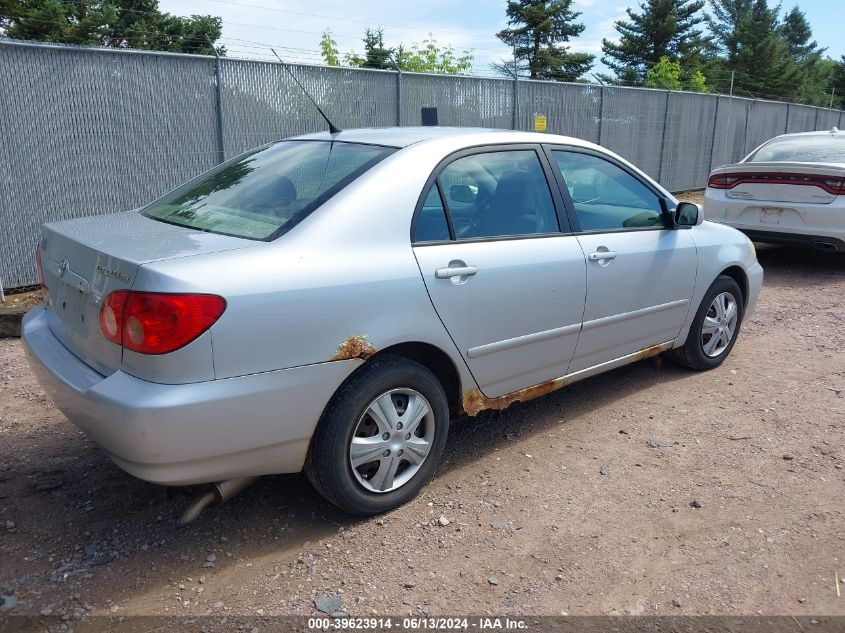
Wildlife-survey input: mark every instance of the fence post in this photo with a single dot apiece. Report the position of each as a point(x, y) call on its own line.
point(748, 110)
point(663, 137)
point(786, 125)
point(601, 111)
point(221, 141)
point(515, 99)
point(398, 97)
point(713, 140)
point(816, 122)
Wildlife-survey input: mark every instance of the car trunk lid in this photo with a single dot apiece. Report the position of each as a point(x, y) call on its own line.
point(792, 182)
point(84, 260)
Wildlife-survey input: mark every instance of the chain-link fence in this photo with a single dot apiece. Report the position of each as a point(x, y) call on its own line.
point(87, 131)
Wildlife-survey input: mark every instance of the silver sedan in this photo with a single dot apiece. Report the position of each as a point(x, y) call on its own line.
point(328, 302)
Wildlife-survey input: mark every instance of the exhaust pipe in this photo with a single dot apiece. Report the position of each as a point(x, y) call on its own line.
point(220, 492)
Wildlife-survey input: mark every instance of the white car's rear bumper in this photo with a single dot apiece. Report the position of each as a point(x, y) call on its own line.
point(804, 224)
point(189, 433)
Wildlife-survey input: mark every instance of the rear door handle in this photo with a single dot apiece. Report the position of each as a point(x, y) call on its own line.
point(600, 255)
point(458, 271)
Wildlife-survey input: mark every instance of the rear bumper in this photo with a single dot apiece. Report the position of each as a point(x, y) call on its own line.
point(824, 242)
point(190, 433)
point(800, 224)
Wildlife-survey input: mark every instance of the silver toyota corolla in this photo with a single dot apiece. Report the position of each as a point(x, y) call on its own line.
point(328, 302)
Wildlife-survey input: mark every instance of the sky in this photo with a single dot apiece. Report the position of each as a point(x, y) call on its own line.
point(293, 27)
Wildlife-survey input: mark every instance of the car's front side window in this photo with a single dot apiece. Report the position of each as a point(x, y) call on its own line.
point(605, 196)
point(431, 225)
point(496, 194)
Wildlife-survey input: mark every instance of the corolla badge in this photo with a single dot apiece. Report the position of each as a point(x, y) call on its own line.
point(63, 267)
point(108, 272)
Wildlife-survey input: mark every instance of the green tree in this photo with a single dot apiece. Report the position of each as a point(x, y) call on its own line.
point(724, 22)
point(838, 82)
point(328, 49)
point(662, 28)
point(814, 70)
point(798, 34)
point(538, 33)
point(425, 57)
point(429, 57)
point(112, 23)
point(376, 54)
point(697, 82)
point(750, 38)
point(666, 74)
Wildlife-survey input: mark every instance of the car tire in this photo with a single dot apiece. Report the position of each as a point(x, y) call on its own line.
point(694, 353)
point(350, 417)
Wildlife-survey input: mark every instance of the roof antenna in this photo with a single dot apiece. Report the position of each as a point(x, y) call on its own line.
point(332, 128)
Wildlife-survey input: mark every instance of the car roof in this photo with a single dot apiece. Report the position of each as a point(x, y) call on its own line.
point(832, 132)
point(405, 136)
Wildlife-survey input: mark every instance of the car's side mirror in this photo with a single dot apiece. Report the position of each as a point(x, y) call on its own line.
point(688, 214)
point(463, 193)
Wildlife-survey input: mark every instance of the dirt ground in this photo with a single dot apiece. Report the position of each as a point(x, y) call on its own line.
point(21, 300)
point(723, 495)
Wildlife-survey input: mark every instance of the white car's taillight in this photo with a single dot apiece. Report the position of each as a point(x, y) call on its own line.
point(830, 184)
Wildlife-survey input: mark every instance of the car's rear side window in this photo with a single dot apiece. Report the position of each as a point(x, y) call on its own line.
point(802, 149)
point(263, 194)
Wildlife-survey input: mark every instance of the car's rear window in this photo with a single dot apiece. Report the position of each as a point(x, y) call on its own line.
point(265, 193)
point(802, 149)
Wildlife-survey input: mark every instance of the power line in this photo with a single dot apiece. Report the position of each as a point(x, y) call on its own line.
point(429, 31)
point(347, 19)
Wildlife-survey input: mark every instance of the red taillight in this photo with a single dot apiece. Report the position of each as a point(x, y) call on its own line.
point(831, 184)
point(40, 269)
point(157, 323)
point(835, 185)
point(111, 316)
point(722, 181)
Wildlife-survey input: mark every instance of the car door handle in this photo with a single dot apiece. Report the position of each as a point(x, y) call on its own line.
point(600, 255)
point(458, 271)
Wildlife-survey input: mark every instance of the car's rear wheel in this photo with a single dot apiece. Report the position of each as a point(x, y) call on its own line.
point(380, 438)
point(715, 327)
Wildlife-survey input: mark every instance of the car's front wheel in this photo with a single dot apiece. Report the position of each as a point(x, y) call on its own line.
point(380, 438)
point(715, 328)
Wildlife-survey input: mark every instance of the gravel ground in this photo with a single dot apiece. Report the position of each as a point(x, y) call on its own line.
point(722, 494)
point(22, 300)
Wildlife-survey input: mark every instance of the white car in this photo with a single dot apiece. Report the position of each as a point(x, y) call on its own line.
point(790, 190)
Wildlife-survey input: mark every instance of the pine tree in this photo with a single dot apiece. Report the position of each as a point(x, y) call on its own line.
point(798, 34)
point(538, 33)
point(751, 39)
point(837, 82)
point(814, 71)
point(724, 22)
point(376, 54)
point(113, 23)
point(662, 28)
point(763, 62)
